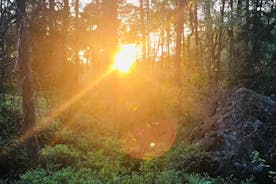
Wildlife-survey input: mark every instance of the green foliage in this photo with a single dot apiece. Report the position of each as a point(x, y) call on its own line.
point(87, 176)
point(10, 119)
point(262, 164)
point(60, 155)
point(48, 133)
point(89, 158)
point(2, 181)
point(163, 177)
point(272, 175)
point(13, 154)
point(76, 165)
point(187, 158)
point(65, 175)
point(205, 179)
point(108, 160)
point(198, 179)
point(256, 159)
point(255, 48)
point(169, 177)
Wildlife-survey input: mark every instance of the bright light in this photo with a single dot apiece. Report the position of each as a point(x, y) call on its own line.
point(152, 144)
point(125, 58)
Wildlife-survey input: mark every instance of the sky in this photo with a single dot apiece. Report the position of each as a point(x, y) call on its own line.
point(136, 2)
point(84, 2)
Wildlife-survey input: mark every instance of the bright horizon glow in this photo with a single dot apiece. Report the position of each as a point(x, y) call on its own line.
point(85, 2)
point(125, 58)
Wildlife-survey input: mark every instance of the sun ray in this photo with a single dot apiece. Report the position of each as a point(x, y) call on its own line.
point(53, 114)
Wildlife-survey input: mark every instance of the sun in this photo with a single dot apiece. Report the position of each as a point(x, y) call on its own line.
point(125, 58)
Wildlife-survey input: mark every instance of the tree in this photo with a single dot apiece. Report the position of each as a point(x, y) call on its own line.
point(231, 41)
point(29, 120)
point(255, 45)
point(148, 29)
point(220, 44)
point(143, 30)
point(179, 32)
point(110, 29)
point(77, 3)
point(7, 19)
point(209, 38)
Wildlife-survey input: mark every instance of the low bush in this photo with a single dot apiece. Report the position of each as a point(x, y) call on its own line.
point(60, 156)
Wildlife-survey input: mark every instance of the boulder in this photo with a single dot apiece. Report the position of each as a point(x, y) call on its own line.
point(240, 137)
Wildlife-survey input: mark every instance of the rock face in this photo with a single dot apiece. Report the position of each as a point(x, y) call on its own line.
point(243, 124)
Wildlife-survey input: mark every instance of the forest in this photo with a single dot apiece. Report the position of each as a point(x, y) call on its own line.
point(137, 91)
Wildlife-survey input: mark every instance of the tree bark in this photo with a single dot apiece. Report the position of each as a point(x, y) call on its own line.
point(66, 14)
point(110, 32)
point(29, 120)
point(76, 32)
point(198, 53)
point(143, 30)
point(209, 38)
point(148, 30)
point(77, 58)
point(218, 55)
point(231, 43)
point(163, 34)
point(179, 32)
point(168, 40)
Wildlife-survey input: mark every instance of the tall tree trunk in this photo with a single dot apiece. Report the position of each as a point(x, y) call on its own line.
point(2, 55)
point(52, 5)
point(52, 13)
point(77, 4)
point(239, 6)
point(163, 34)
point(209, 38)
point(110, 26)
point(220, 37)
point(179, 32)
point(247, 19)
point(66, 13)
point(63, 38)
point(29, 120)
point(97, 62)
point(143, 30)
point(53, 40)
point(196, 24)
point(197, 57)
point(168, 40)
point(189, 53)
point(231, 42)
point(148, 30)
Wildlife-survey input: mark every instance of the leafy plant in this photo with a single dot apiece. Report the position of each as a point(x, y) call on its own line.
point(59, 156)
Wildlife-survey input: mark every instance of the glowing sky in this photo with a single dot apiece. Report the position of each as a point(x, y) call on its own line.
point(136, 2)
point(84, 2)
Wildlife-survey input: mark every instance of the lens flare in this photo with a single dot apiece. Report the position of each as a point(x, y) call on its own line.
point(125, 58)
point(149, 140)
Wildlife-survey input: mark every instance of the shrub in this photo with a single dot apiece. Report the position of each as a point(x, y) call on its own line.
point(65, 175)
point(169, 177)
point(185, 158)
point(10, 123)
point(60, 156)
point(164, 177)
point(13, 155)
